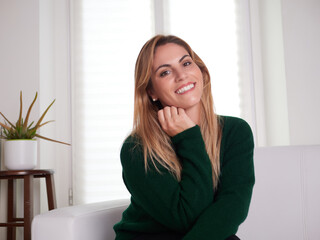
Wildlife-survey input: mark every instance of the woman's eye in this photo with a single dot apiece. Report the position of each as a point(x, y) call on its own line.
point(186, 64)
point(164, 73)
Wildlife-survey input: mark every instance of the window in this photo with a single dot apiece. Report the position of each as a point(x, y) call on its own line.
point(210, 28)
point(106, 39)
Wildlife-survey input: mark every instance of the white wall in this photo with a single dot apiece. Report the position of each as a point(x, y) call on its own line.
point(301, 34)
point(34, 56)
point(286, 62)
point(19, 61)
point(19, 65)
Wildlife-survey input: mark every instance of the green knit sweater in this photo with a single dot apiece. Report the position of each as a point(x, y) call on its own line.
point(160, 203)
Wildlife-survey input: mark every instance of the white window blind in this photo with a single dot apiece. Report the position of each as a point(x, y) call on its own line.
point(107, 36)
point(210, 27)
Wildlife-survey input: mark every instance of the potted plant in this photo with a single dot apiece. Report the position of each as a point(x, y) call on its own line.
point(20, 146)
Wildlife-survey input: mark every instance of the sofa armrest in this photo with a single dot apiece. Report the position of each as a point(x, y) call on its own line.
point(89, 221)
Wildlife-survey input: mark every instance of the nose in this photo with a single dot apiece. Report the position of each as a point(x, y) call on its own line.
point(180, 75)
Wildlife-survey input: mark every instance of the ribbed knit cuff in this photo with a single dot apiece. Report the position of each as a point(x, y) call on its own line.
point(192, 132)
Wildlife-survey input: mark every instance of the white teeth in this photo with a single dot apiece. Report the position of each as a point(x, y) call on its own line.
point(186, 88)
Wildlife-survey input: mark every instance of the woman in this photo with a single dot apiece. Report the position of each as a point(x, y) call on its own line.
point(190, 172)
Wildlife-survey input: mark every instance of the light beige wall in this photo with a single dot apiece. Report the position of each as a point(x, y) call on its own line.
point(19, 66)
point(301, 34)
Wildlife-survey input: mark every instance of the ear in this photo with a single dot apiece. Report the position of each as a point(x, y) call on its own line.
point(151, 94)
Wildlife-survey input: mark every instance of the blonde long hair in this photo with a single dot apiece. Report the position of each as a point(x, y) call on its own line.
point(156, 143)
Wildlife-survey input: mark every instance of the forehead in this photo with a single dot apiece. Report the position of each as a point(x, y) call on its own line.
point(169, 52)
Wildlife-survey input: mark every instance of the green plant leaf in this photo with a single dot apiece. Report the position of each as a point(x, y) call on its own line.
point(45, 123)
point(45, 112)
point(7, 120)
point(52, 140)
point(31, 133)
point(28, 113)
point(21, 130)
point(6, 133)
point(30, 125)
point(20, 112)
point(5, 126)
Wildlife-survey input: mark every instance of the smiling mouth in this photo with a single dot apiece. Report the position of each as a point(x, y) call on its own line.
point(186, 88)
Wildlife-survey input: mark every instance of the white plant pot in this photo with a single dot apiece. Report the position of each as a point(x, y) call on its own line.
point(20, 154)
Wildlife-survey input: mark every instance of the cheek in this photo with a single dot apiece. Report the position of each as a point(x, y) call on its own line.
point(197, 72)
point(163, 84)
point(158, 88)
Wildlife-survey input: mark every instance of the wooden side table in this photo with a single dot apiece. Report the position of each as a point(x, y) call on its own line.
point(28, 177)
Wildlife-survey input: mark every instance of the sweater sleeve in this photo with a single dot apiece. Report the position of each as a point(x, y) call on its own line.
point(174, 204)
point(231, 204)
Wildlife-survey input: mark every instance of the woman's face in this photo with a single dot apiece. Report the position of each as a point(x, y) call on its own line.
point(176, 79)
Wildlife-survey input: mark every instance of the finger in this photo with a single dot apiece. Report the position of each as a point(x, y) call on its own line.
point(181, 111)
point(161, 117)
point(167, 113)
point(174, 112)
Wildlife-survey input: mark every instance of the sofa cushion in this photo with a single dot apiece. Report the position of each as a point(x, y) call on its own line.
point(82, 222)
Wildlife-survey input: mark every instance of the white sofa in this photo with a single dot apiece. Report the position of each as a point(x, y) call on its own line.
point(285, 203)
point(83, 222)
point(286, 197)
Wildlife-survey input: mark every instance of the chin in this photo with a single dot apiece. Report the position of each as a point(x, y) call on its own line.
point(190, 104)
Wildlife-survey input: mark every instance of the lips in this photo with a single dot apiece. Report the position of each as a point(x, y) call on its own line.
point(185, 88)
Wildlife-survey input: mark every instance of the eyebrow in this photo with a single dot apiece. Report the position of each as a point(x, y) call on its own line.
point(168, 65)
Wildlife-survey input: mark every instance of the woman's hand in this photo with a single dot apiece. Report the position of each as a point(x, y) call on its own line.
point(174, 120)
